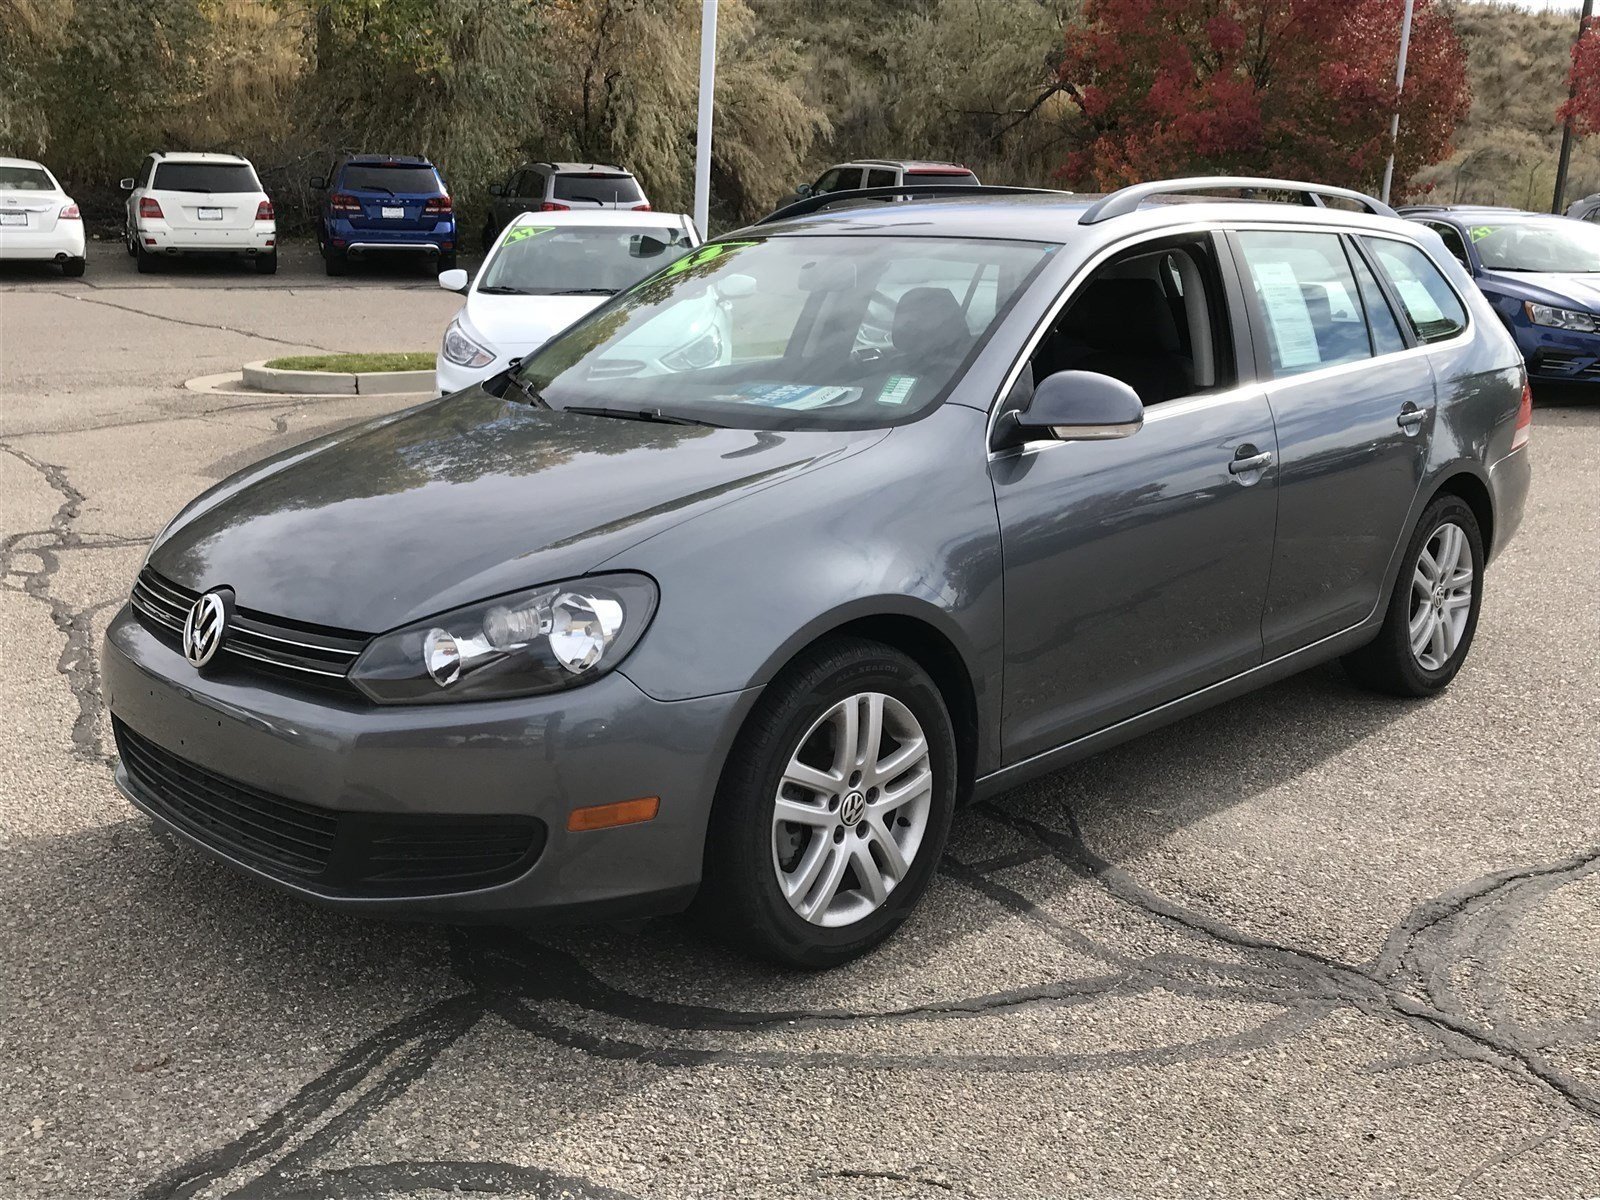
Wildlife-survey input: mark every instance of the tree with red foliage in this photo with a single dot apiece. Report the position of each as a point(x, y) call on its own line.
point(1294, 88)
point(1583, 109)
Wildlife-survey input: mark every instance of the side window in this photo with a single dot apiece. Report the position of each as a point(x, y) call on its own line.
point(1386, 335)
point(837, 180)
point(1452, 241)
point(1308, 300)
point(146, 169)
point(880, 177)
point(1431, 305)
point(1153, 318)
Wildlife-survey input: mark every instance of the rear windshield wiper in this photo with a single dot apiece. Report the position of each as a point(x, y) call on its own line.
point(639, 414)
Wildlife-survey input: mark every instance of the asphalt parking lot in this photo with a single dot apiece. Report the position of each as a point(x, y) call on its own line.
point(1310, 943)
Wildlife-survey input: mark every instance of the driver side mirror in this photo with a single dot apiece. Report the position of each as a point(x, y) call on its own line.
point(497, 189)
point(803, 190)
point(454, 280)
point(319, 183)
point(1079, 406)
point(126, 184)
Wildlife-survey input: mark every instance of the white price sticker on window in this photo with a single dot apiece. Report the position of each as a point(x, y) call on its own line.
point(1286, 311)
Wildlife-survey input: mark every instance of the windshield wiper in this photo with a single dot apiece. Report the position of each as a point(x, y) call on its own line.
point(582, 292)
point(531, 393)
point(654, 415)
point(495, 289)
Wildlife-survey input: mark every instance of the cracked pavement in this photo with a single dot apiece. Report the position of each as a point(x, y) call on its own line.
point(1312, 942)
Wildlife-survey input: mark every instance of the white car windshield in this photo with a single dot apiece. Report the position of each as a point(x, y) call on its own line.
point(790, 332)
point(578, 260)
point(1558, 245)
point(25, 179)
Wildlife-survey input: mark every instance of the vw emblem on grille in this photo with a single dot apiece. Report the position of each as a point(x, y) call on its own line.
point(204, 628)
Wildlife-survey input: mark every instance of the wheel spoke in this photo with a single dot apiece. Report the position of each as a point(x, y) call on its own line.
point(821, 895)
point(889, 769)
point(798, 882)
point(894, 861)
point(870, 735)
point(824, 783)
point(868, 873)
point(1428, 567)
point(1422, 630)
point(913, 788)
point(847, 727)
point(1421, 584)
point(802, 814)
point(1453, 603)
point(1440, 646)
point(1449, 556)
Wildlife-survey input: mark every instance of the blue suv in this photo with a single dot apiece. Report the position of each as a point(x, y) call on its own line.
point(1540, 273)
point(384, 204)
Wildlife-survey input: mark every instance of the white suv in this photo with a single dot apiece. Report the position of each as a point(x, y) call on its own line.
point(199, 204)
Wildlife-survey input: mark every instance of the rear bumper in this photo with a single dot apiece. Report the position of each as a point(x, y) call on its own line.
point(157, 237)
point(363, 239)
point(1509, 480)
point(32, 245)
point(538, 757)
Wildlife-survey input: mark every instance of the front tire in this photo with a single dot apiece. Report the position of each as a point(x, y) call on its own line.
point(72, 268)
point(1433, 610)
point(833, 808)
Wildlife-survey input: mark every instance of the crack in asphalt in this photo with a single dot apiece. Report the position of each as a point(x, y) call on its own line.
point(154, 316)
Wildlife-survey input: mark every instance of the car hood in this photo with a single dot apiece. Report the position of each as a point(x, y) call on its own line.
point(515, 325)
point(1546, 287)
point(460, 500)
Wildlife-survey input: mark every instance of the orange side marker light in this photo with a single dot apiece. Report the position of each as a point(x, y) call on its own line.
point(607, 816)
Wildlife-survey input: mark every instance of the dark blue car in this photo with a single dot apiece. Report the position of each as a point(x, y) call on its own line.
point(1542, 276)
point(385, 204)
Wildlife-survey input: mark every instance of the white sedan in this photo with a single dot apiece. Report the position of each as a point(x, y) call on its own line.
point(38, 221)
point(544, 271)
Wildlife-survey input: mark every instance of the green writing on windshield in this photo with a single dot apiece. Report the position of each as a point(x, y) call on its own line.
point(1478, 232)
point(523, 232)
point(705, 254)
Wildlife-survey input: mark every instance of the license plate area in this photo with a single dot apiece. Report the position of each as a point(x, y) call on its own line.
point(208, 214)
point(13, 218)
point(393, 213)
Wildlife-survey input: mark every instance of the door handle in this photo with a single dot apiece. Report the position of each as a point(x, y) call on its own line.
point(1250, 462)
point(1411, 417)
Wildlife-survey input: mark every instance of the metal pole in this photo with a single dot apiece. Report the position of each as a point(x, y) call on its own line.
point(1566, 131)
point(1400, 88)
point(702, 137)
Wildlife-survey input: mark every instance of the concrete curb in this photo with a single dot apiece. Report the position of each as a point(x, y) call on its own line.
point(262, 378)
point(233, 384)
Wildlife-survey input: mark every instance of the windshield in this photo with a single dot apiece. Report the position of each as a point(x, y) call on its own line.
point(375, 177)
point(556, 260)
point(598, 188)
point(1557, 245)
point(205, 177)
point(25, 179)
point(791, 332)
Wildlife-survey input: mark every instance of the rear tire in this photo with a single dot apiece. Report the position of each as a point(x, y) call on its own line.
point(127, 241)
point(487, 236)
point(873, 820)
point(72, 268)
point(266, 264)
point(334, 262)
point(1433, 610)
point(147, 263)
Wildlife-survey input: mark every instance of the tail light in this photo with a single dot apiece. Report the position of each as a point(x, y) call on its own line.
point(343, 202)
point(71, 213)
point(439, 206)
point(1519, 437)
point(552, 206)
point(264, 211)
point(149, 207)
point(641, 208)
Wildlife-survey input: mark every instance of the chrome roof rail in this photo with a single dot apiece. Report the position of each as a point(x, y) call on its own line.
point(1121, 203)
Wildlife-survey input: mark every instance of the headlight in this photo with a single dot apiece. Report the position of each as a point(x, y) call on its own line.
point(540, 640)
point(704, 351)
point(461, 349)
point(1561, 318)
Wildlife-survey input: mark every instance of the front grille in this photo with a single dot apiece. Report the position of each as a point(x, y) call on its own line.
point(338, 851)
point(309, 654)
point(1568, 365)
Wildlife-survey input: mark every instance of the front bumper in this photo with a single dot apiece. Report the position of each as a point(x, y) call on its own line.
point(33, 245)
point(1560, 354)
point(158, 237)
point(537, 757)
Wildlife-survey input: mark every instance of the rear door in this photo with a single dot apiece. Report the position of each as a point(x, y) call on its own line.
point(207, 195)
point(1353, 399)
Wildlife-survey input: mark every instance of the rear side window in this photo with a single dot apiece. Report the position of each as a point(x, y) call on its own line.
point(1386, 335)
point(598, 188)
point(1308, 299)
point(396, 180)
point(1431, 304)
point(880, 177)
point(205, 177)
point(1452, 241)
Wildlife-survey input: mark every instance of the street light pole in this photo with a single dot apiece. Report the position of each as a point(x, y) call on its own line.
point(1566, 132)
point(1399, 88)
point(702, 137)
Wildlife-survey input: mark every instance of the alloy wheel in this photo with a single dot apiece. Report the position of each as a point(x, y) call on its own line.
point(851, 810)
point(1441, 596)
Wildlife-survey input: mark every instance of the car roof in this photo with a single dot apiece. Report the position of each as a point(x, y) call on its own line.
point(1465, 213)
point(909, 164)
point(198, 156)
point(562, 168)
point(1054, 217)
point(599, 216)
point(22, 162)
point(386, 160)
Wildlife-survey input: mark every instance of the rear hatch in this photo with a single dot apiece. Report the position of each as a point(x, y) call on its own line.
point(207, 195)
point(28, 200)
point(391, 196)
point(597, 189)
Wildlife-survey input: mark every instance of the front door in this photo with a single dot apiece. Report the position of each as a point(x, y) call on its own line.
point(1136, 569)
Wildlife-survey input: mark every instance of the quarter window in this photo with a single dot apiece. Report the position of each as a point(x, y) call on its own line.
point(1308, 299)
point(1431, 305)
point(1452, 241)
point(880, 178)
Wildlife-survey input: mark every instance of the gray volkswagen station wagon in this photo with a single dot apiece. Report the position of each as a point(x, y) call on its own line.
point(932, 499)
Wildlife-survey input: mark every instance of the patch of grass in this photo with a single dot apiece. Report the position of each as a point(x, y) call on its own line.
point(399, 360)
